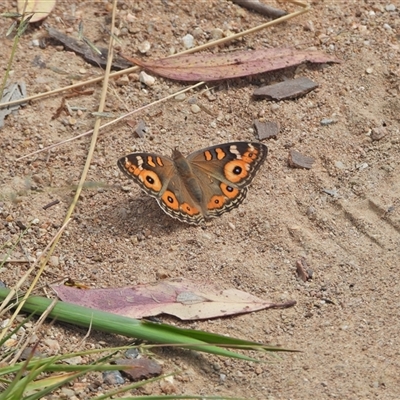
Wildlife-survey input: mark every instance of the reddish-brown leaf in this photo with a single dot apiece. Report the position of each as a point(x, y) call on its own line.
point(183, 298)
point(212, 67)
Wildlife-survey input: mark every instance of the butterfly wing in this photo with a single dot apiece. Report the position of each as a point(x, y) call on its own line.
point(158, 177)
point(224, 172)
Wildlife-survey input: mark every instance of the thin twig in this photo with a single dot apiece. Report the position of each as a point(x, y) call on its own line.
point(261, 8)
point(305, 8)
point(36, 327)
point(15, 289)
point(112, 122)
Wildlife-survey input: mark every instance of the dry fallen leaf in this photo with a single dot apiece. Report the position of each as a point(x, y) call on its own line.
point(180, 297)
point(39, 8)
point(211, 67)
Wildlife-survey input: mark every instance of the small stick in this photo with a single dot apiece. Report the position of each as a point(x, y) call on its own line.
point(261, 8)
point(53, 203)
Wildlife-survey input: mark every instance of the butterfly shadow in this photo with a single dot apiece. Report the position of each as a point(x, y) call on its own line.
point(141, 216)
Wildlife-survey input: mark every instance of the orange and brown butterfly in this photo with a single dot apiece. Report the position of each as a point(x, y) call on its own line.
point(203, 185)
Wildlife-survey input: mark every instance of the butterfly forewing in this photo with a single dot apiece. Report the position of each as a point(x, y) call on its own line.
point(234, 163)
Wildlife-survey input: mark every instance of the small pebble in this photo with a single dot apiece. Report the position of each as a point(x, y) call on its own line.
point(195, 108)
point(390, 7)
point(216, 34)
point(123, 80)
point(162, 273)
point(144, 47)
point(74, 360)
point(369, 70)
point(71, 121)
point(130, 17)
point(4, 323)
point(113, 378)
point(210, 96)
point(362, 166)
point(35, 221)
point(68, 393)
point(180, 97)
point(309, 26)
point(168, 387)
point(54, 261)
point(147, 79)
point(197, 33)
point(332, 193)
point(274, 106)
point(188, 41)
point(132, 353)
point(339, 165)
point(378, 133)
point(53, 345)
point(387, 27)
point(327, 121)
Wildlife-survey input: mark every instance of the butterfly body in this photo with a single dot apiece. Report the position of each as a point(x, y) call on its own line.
point(203, 185)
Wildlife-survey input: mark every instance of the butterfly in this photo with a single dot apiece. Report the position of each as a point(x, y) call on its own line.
point(203, 185)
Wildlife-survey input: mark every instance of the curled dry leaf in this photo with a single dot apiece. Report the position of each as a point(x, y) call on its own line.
point(187, 300)
point(39, 8)
point(212, 67)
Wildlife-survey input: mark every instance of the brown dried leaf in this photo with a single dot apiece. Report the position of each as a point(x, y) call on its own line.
point(180, 297)
point(212, 67)
point(39, 8)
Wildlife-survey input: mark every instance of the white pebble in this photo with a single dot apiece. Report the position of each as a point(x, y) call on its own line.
point(144, 47)
point(195, 108)
point(147, 79)
point(188, 41)
point(4, 323)
point(339, 165)
point(35, 221)
point(54, 261)
point(387, 27)
point(180, 97)
point(390, 7)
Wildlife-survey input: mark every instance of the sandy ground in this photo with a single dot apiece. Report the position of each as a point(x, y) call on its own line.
point(342, 216)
